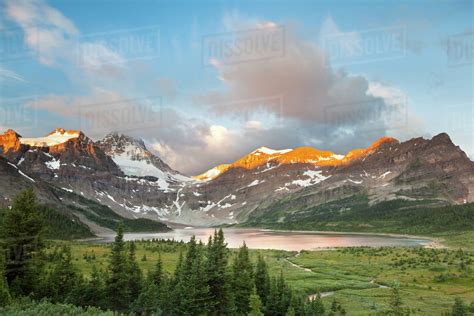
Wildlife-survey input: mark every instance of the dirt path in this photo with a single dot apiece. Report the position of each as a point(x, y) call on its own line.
point(324, 294)
point(314, 295)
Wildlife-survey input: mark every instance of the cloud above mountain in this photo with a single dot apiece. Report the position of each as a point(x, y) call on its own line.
point(295, 98)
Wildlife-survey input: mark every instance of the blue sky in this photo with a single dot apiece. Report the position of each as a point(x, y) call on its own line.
point(412, 75)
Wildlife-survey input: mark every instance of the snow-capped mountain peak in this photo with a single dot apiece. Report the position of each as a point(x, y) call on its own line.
point(134, 159)
point(264, 156)
point(56, 137)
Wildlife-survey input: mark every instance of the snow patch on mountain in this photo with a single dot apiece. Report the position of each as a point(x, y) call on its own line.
point(384, 175)
point(212, 173)
point(57, 137)
point(313, 177)
point(134, 159)
point(53, 164)
point(269, 151)
point(136, 167)
point(354, 181)
point(21, 172)
point(24, 175)
point(255, 182)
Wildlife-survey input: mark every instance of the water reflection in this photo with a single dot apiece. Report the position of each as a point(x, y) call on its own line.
point(282, 240)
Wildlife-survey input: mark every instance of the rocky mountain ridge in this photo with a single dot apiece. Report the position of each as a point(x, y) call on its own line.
point(120, 172)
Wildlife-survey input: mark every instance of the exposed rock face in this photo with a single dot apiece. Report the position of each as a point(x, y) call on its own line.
point(14, 180)
point(81, 165)
point(121, 172)
point(301, 155)
point(140, 160)
point(433, 169)
point(10, 145)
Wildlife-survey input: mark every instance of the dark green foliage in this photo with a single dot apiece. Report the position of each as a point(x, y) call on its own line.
point(26, 307)
point(118, 291)
point(291, 311)
point(63, 277)
point(135, 277)
point(262, 280)
point(297, 305)
point(204, 283)
point(315, 307)
point(191, 284)
point(89, 292)
point(218, 277)
point(4, 291)
point(255, 305)
point(106, 217)
point(279, 297)
point(22, 240)
point(471, 308)
point(414, 217)
point(148, 302)
point(157, 276)
point(62, 226)
point(459, 308)
point(243, 282)
point(395, 303)
point(336, 309)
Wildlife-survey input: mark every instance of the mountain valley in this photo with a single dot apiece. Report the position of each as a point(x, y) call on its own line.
point(120, 173)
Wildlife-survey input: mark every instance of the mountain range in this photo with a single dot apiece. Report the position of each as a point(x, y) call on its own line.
point(71, 172)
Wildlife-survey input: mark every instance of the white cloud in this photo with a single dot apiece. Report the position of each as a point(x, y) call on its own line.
point(309, 88)
point(6, 74)
point(282, 102)
point(253, 125)
point(46, 29)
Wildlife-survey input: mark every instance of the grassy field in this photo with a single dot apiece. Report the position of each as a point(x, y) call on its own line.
point(456, 240)
point(355, 214)
point(360, 278)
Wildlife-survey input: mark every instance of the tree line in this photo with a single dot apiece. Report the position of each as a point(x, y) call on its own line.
point(207, 280)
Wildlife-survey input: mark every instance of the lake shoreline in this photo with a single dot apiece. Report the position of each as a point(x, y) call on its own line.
point(183, 233)
point(435, 242)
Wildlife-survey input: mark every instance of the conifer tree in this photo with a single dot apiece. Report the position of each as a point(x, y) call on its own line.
point(459, 308)
point(4, 291)
point(297, 305)
point(255, 304)
point(291, 311)
point(118, 291)
point(284, 293)
point(262, 280)
point(174, 301)
point(134, 272)
point(315, 306)
point(192, 285)
point(333, 307)
point(96, 287)
point(243, 282)
point(63, 277)
point(156, 275)
point(271, 307)
point(218, 277)
point(279, 297)
point(396, 303)
point(21, 237)
point(147, 302)
point(90, 292)
point(158, 278)
point(336, 309)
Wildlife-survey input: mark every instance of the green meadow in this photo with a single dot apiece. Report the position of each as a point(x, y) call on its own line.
point(360, 278)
